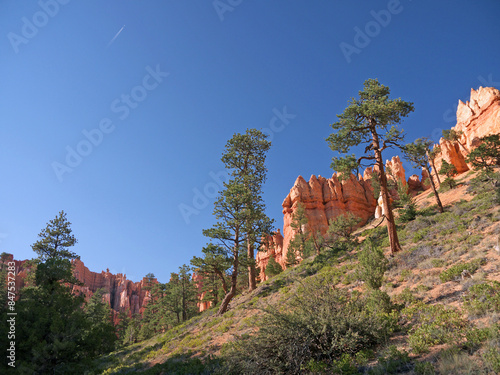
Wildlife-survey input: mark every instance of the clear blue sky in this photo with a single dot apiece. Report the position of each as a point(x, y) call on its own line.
point(167, 83)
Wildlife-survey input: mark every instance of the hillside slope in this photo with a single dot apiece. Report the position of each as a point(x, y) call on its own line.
point(442, 287)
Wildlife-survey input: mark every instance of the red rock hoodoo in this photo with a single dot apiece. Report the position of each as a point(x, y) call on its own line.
point(476, 118)
point(122, 295)
point(323, 199)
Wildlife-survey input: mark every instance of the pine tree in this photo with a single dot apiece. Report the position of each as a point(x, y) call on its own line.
point(155, 318)
point(299, 246)
point(370, 121)
point(449, 170)
point(432, 155)
point(56, 333)
point(245, 157)
point(406, 202)
point(453, 135)
point(101, 334)
point(372, 265)
point(486, 156)
point(55, 240)
point(188, 293)
point(215, 261)
point(291, 257)
point(342, 227)
point(121, 326)
point(239, 210)
point(419, 154)
point(273, 268)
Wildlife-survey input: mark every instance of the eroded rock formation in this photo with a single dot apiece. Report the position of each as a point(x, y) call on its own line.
point(323, 199)
point(202, 305)
point(121, 294)
point(476, 118)
point(395, 170)
point(273, 246)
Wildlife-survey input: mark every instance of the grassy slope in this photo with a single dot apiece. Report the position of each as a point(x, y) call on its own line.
point(434, 245)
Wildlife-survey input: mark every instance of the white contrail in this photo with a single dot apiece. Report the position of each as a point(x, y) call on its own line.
point(116, 36)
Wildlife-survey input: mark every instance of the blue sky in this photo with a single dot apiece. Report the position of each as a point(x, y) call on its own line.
point(117, 112)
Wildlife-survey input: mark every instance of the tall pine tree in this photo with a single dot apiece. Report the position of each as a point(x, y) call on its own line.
point(419, 154)
point(240, 210)
point(371, 121)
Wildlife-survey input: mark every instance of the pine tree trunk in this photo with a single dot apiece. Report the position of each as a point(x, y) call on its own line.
point(435, 172)
point(227, 298)
point(223, 281)
point(438, 201)
point(460, 143)
point(251, 267)
point(391, 225)
point(234, 279)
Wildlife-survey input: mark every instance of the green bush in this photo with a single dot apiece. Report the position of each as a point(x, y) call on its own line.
point(377, 302)
point(477, 336)
point(405, 298)
point(436, 262)
point(492, 358)
point(405, 274)
point(372, 265)
point(483, 298)
point(447, 184)
point(424, 368)
point(431, 325)
point(273, 268)
point(392, 361)
point(420, 235)
point(456, 270)
point(408, 213)
point(322, 326)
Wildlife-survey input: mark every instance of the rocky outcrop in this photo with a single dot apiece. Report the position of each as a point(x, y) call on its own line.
point(476, 118)
point(122, 295)
point(272, 246)
point(202, 305)
point(323, 199)
point(414, 183)
point(395, 171)
point(22, 268)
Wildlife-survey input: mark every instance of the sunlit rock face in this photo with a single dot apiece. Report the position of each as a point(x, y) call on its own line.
point(476, 118)
point(122, 295)
point(323, 199)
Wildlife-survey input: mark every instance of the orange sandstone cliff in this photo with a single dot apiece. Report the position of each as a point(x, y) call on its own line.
point(323, 199)
point(476, 118)
point(122, 295)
